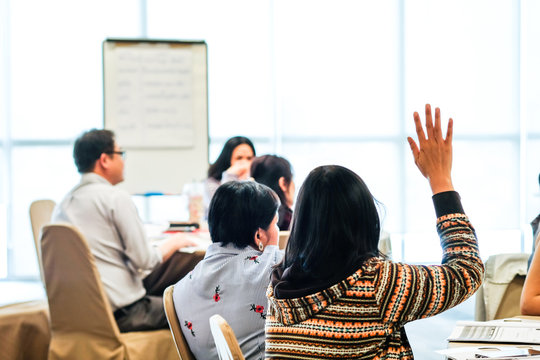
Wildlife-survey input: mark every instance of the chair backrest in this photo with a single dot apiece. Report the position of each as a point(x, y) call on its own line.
point(499, 295)
point(385, 244)
point(182, 346)
point(283, 238)
point(77, 300)
point(40, 215)
point(226, 343)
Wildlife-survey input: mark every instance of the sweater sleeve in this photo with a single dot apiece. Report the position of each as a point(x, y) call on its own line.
point(420, 291)
point(447, 202)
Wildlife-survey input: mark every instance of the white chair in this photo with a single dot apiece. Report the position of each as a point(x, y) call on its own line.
point(40, 215)
point(226, 343)
point(499, 296)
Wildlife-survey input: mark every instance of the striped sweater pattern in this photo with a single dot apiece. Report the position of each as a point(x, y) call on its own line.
point(363, 316)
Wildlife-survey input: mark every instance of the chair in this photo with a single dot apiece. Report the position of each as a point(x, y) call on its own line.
point(283, 238)
point(182, 346)
point(40, 214)
point(82, 322)
point(226, 343)
point(385, 244)
point(499, 296)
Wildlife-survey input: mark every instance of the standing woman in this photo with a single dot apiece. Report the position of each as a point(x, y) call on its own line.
point(276, 173)
point(233, 163)
point(333, 296)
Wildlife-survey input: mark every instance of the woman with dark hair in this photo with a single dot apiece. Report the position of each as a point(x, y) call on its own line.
point(536, 240)
point(233, 163)
point(233, 277)
point(333, 296)
point(276, 173)
point(530, 296)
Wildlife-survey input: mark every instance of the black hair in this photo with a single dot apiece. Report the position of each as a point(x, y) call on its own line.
point(238, 209)
point(268, 169)
point(223, 161)
point(335, 226)
point(89, 147)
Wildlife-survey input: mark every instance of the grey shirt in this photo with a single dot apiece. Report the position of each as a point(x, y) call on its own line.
point(108, 219)
point(230, 282)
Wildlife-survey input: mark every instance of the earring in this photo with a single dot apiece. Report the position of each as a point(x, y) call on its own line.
point(261, 246)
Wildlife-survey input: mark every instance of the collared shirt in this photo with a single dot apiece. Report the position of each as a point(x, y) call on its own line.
point(230, 282)
point(108, 219)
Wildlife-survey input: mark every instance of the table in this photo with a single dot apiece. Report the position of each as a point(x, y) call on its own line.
point(24, 331)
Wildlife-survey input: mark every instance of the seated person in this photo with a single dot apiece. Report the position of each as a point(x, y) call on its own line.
point(108, 219)
point(536, 233)
point(233, 277)
point(276, 173)
point(233, 163)
point(530, 295)
point(333, 296)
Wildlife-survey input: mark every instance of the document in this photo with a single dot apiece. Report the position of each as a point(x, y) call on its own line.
point(490, 352)
point(514, 331)
point(199, 237)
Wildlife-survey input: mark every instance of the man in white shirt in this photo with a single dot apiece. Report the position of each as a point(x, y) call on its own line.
point(108, 219)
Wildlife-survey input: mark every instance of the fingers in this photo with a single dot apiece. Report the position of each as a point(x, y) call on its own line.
point(414, 148)
point(419, 129)
point(186, 243)
point(437, 130)
point(429, 122)
point(449, 131)
point(434, 131)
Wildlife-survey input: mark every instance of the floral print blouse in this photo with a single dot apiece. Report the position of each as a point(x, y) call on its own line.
point(230, 282)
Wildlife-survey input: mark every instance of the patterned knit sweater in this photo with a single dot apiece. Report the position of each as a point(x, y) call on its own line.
point(363, 316)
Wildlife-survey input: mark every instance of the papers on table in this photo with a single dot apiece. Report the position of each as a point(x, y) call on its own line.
point(490, 352)
point(157, 233)
point(201, 238)
point(514, 331)
point(502, 338)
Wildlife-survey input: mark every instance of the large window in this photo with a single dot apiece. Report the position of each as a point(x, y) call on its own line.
point(317, 82)
point(52, 83)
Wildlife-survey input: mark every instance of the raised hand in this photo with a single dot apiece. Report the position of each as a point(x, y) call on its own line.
point(434, 155)
point(240, 169)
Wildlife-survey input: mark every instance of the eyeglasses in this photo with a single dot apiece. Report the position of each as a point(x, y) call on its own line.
point(122, 153)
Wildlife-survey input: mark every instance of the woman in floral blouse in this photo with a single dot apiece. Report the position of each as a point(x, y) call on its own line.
point(232, 278)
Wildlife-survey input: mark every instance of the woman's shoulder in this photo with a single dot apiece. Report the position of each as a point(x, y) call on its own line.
point(271, 256)
point(211, 181)
point(274, 254)
point(370, 268)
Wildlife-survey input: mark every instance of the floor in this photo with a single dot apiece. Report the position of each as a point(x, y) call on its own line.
point(429, 335)
point(426, 336)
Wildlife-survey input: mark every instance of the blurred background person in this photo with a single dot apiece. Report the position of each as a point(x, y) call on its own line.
point(276, 173)
point(233, 163)
point(536, 234)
